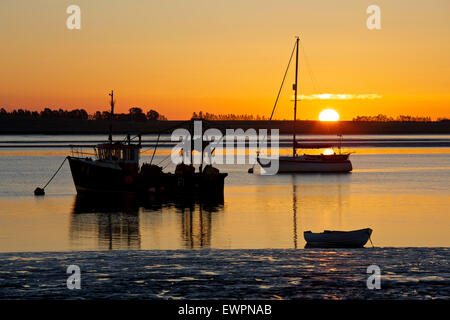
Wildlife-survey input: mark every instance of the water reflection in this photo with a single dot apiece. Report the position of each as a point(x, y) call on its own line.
point(196, 227)
point(113, 221)
point(304, 199)
point(126, 222)
point(117, 222)
point(294, 209)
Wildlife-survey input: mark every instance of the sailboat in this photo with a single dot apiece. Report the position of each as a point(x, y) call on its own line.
point(326, 162)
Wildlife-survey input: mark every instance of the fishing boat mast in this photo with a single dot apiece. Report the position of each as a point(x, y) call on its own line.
point(112, 116)
point(294, 149)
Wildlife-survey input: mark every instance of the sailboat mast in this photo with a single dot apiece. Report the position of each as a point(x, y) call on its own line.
point(112, 115)
point(294, 149)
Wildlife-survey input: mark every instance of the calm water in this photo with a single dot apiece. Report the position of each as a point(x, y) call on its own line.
point(402, 193)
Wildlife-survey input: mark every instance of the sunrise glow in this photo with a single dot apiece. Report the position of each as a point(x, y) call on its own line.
point(328, 152)
point(155, 59)
point(329, 115)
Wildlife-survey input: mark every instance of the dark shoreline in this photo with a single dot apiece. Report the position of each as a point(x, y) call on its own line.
point(71, 126)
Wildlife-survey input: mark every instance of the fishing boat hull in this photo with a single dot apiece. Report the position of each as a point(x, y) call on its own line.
point(310, 164)
point(337, 239)
point(91, 176)
point(94, 176)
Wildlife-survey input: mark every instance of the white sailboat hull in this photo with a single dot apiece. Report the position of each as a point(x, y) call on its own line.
point(337, 239)
point(310, 164)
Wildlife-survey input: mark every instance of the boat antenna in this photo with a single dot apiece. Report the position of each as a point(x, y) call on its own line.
point(112, 115)
point(294, 149)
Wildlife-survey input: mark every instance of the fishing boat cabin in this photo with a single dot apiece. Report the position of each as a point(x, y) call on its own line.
point(126, 155)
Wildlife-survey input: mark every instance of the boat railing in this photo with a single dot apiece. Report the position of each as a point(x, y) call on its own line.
point(78, 152)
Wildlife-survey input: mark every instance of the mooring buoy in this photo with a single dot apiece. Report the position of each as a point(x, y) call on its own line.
point(39, 191)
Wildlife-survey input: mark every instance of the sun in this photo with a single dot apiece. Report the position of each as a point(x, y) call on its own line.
point(329, 115)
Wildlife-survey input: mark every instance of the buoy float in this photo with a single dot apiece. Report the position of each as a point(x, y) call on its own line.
point(39, 192)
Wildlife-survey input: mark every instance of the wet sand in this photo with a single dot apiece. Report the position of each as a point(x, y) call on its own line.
point(406, 273)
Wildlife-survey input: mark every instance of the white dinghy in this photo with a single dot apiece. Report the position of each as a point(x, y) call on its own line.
point(337, 239)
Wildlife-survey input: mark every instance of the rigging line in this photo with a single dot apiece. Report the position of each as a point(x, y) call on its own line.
point(159, 135)
point(279, 92)
point(371, 242)
point(154, 150)
point(55, 173)
point(282, 82)
point(167, 157)
point(166, 166)
point(310, 71)
point(158, 131)
point(156, 146)
point(146, 150)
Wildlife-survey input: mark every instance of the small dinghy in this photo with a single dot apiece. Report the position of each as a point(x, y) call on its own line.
point(337, 239)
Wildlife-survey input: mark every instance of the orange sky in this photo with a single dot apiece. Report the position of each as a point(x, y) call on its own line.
point(226, 56)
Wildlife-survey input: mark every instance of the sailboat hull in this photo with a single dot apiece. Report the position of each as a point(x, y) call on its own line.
point(310, 164)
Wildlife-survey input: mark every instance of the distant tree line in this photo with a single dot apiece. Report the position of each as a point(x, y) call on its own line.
point(229, 116)
point(135, 114)
point(377, 118)
point(45, 114)
point(385, 118)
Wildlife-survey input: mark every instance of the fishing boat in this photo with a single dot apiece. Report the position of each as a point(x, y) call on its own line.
point(328, 161)
point(114, 168)
point(337, 239)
